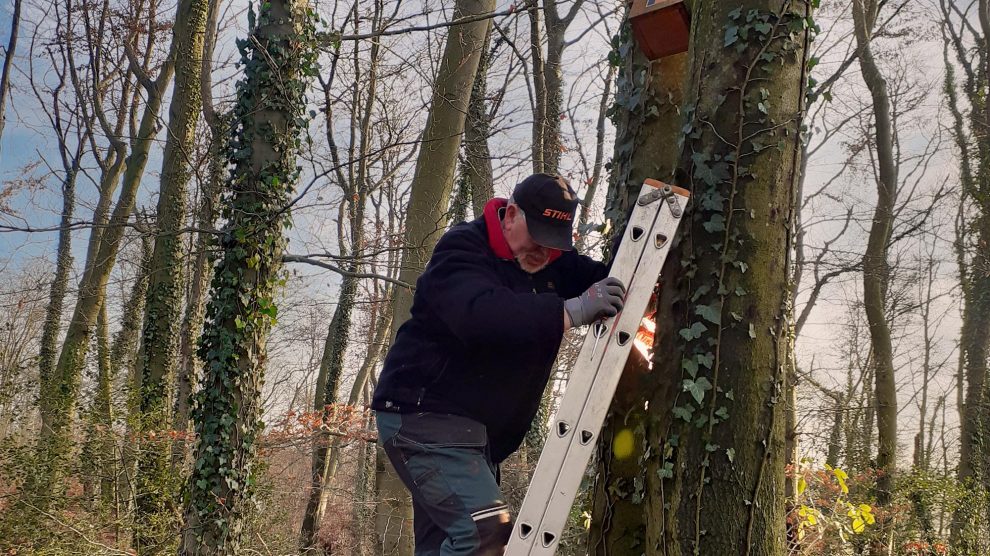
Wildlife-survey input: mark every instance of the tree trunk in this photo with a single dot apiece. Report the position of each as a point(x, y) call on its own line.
point(60, 283)
point(599, 162)
point(716, 475)
point(430, 194)
point(103, 412)
point(553, 80)
point(973, 236)
point(476, 167)
point(192, 322)
point(58, 400)
point(645, 147)
point(8, 62)
point(157, 487)
point(876, 273)
point(278, 60)
point(123, 353)
point(835, 435)
point(539, 90)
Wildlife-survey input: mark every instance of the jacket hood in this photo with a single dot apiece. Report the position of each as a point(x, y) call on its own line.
point(496, 240)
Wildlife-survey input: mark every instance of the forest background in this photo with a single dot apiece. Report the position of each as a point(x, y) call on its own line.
point(123, 143)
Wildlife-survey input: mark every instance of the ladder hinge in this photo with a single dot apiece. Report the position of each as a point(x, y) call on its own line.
point(663, 193)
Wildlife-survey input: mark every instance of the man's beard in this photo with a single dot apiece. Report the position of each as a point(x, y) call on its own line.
point(531, 263)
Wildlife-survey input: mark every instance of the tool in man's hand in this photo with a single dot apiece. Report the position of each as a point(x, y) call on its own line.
point(599, 329)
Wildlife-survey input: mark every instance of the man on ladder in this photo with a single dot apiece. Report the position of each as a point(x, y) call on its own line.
point(463, 380)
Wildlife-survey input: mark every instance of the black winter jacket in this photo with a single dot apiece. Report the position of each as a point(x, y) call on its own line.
point(483, 334)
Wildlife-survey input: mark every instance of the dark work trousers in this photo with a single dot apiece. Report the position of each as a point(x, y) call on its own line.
point(444, 461)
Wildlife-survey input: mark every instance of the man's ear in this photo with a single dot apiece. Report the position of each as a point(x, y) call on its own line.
point(511, 212)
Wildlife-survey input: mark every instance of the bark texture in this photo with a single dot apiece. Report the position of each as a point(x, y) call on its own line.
point(158, 356)
point(645, 147)
point(715, 478)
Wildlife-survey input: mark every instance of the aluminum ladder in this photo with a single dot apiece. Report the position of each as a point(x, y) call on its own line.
point(578, 422)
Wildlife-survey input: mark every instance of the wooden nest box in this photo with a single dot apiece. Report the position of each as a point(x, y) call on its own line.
point(661, 27)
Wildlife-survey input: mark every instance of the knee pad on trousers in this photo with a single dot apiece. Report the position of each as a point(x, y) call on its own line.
point(494, 527)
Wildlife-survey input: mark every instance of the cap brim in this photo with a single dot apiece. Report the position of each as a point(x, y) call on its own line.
point(554, 237)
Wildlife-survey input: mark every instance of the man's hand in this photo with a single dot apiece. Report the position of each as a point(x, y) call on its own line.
point(603, 299)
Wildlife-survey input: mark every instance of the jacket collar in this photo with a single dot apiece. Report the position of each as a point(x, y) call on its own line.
point(496, 240)
point(494, 226)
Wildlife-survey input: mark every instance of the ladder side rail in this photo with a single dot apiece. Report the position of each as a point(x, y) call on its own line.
point(593, 414)
point(579, 386)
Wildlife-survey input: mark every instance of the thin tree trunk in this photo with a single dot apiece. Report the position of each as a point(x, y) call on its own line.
point(477, 163)
point(123, 353)
point(279, 58)
point(876, 272)
point(539, 90)
point(553, 81)
point(8, 63)
point(60, 283)
point(835, 435)
point(597, 165)
point(103, 413)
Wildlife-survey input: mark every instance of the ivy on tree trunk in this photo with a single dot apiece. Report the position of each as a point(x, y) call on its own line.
point(279, 59)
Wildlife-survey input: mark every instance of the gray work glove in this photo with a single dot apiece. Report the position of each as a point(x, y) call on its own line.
point(603, 299)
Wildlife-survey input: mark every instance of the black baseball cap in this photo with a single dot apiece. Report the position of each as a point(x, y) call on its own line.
point(550, 205)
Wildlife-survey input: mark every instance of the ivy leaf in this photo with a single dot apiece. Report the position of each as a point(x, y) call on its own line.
point(700, 421)
point(716, 224)
point(693, 333)
point(667, 471)
point(697, 388)
point(706, 359)
point(731, 453)
point(731, 35)
point(690, 366)
point(683, 412)
point(752, 331)
point(710, 313)
point(702, 290)
point(722, 413)
point(713, 201)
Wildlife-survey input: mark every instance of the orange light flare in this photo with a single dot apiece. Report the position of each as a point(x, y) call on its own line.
point(644, 337)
